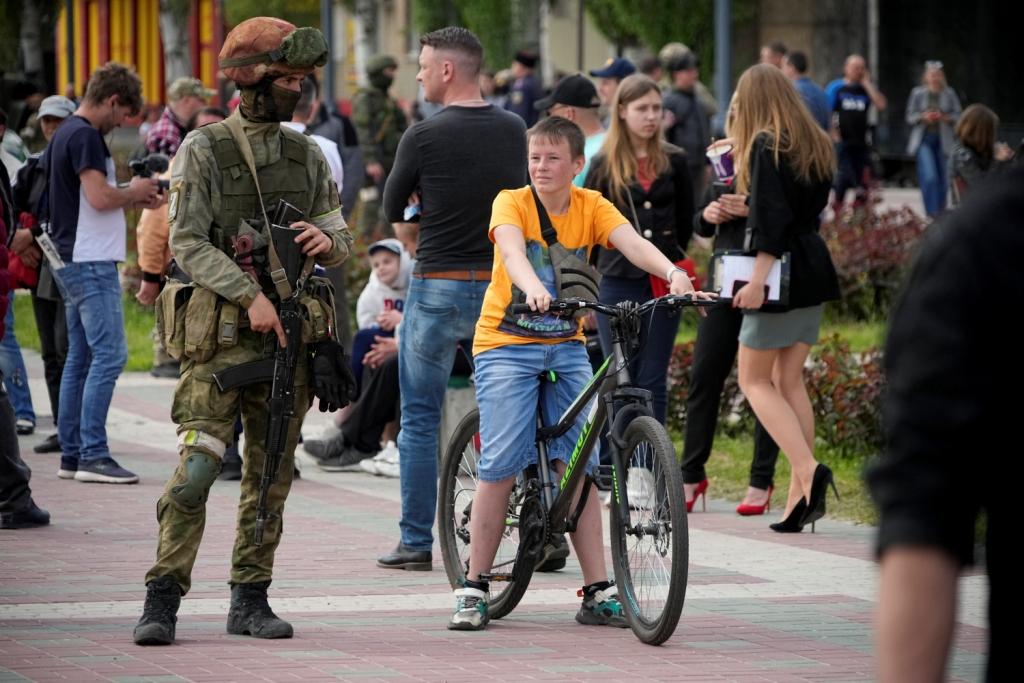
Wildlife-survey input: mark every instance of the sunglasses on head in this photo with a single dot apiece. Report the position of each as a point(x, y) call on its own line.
point(933, 64)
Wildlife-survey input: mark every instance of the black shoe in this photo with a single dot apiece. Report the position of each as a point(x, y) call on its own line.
point(250, 614)
point(24, 426)
point(166, 370)
point(792, 524)
point(159, 614)
point(819, 492)
point(50, 444)
point(404, 558)
point(554, 555)
point(346, 461)
point(32, 516)
point(324, 449)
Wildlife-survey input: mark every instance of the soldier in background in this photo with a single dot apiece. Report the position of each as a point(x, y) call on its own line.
point(379, 123)
point(214, 202)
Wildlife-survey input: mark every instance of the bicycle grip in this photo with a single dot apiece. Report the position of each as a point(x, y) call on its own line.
point(521, 308)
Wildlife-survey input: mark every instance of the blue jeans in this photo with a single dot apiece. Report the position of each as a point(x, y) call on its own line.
point(438, 313)
point(97, 352)
point(12, 368)
point(649, 368)
point(931, 173)
point(507, 391)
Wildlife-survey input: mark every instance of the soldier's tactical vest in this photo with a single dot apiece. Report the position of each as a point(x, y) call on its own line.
point(285, 179)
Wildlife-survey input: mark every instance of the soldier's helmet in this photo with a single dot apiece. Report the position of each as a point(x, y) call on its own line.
point(267, 46)
point(378, 63)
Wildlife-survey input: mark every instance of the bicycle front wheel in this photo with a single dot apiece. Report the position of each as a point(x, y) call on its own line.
point(457, 487)
point(650, 549)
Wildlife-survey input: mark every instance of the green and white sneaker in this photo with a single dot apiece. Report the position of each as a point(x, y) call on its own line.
point(470, 610)
point(601, 607)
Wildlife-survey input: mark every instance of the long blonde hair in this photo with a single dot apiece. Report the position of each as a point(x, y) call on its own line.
point(766, 102)
point(620, 167)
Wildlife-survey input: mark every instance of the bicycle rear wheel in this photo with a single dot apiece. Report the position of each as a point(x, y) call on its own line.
point(458, 486)
point(650, 550)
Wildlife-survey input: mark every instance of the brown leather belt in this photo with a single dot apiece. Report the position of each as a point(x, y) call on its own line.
point(463, 275)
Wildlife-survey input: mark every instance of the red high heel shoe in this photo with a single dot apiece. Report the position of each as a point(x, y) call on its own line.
point(751, 510)
point(701, 492)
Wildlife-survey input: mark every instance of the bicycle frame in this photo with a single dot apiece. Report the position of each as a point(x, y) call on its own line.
point(611, 384)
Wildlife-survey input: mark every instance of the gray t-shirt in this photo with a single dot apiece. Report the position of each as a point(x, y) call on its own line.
point(458, 161)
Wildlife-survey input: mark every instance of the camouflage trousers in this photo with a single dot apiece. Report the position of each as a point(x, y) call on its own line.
point(205, 417)
point(372, 224)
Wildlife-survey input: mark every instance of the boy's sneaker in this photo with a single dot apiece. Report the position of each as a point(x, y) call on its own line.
point(104, 471)
point(370, 464)
point(640, 487)
point(601, 607)
point(388, 466)
point(470, 610)
point(68, 467)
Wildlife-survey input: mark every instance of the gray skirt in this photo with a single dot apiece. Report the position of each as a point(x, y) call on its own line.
point(781, 330)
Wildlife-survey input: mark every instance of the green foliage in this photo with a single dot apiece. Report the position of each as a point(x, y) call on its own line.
point(492, 21)
point(10, 29)
point(299, 12)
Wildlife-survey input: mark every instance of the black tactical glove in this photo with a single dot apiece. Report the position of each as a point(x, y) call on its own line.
point(333, 382)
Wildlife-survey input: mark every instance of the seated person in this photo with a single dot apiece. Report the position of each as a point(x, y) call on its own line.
point(511, 351)
point(379, 308)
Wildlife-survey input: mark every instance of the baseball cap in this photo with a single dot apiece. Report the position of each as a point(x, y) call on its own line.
point(58, 106)
point(391, 244)
point(575, 91)
point(527, 59)
point(185, 87)
point(684, 61)
point(617, 67)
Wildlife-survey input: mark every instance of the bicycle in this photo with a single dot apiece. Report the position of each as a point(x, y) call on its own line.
point(650, 542)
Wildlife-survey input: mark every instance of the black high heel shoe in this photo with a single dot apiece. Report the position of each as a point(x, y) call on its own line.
point(792, 524)
point(819, 492)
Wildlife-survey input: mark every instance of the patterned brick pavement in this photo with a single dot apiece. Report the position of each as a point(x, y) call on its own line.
point(760, 606)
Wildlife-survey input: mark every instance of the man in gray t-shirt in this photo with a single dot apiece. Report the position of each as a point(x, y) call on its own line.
point(453, 165)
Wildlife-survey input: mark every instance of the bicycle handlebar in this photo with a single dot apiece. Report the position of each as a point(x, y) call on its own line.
point(569, 305)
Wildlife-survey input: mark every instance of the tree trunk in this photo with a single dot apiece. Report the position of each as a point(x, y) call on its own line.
point(31, 47)
point(175, 35)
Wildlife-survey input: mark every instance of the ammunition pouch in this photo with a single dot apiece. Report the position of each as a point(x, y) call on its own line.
point(317, 304)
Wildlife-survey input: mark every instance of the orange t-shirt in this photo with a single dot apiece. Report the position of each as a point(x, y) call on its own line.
point(590, 221)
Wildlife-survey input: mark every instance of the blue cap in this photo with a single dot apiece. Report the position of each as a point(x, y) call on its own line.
point(619, 67)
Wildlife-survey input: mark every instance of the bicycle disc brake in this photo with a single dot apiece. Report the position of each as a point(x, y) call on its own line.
point(533, 533)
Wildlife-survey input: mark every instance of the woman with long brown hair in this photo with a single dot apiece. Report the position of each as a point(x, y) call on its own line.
point(785, 164)
point(647, 180)
point(976, 155)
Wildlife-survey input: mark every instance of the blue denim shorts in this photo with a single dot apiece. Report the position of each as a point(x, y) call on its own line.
point(507, 391)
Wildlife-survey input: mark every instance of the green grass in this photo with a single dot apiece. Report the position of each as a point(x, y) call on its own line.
point(728, 472)
point(138, 321)
point(861, 336)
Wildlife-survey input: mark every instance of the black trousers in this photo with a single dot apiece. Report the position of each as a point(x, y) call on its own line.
point(713, 358)
point(53, 344)
point(378, 404)
point(15, 494)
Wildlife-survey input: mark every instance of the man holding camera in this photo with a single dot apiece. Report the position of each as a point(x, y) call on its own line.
point(226, 182)
point(87, 227)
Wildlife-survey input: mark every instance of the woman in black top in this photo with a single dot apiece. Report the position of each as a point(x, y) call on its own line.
point(647, 180)
point(722, 216)
point(785, 163)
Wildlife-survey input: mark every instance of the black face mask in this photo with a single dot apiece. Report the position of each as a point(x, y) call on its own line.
point(381, 81)
point(268, 103)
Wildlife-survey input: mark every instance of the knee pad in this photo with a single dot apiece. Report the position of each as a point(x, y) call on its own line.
point(197, 472)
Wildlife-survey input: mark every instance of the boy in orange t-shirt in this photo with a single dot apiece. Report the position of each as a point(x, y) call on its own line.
point(512, 350)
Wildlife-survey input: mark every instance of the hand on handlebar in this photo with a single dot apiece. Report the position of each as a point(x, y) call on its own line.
point(538, 299)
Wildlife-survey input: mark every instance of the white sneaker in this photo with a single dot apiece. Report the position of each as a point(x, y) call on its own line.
point(370, 465)
point(388, 466)
point(640, 487)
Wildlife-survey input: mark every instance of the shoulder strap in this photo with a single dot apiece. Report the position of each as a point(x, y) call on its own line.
point(277, 271)
point(546, 229)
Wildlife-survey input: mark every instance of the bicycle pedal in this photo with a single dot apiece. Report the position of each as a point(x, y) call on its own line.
point(496, 577)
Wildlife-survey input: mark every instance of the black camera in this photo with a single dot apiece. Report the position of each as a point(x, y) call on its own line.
point(151, 165)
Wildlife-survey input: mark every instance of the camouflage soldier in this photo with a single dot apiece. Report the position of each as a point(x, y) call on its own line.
point(379, 123)
point(214, 203)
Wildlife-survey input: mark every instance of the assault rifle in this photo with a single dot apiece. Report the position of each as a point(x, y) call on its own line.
point(279, 369)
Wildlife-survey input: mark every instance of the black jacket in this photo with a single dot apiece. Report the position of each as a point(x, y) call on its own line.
point(729, 235)
point(784, 216)
point(666, 210)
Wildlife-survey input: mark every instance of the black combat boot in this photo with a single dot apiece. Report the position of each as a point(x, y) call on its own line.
point(250, 615)
point(160, 613)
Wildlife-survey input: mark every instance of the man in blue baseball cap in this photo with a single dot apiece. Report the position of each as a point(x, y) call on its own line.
point(608, 77)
